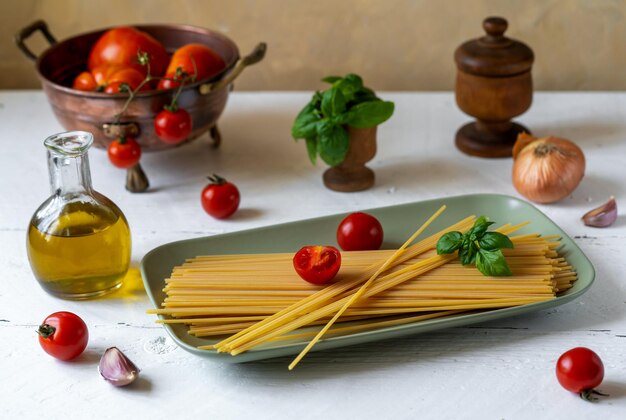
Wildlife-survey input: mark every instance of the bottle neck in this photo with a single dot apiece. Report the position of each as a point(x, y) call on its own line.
point(69, 174)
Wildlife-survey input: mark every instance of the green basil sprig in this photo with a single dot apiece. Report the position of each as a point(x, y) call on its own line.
point(321, 123)
point(480, 247)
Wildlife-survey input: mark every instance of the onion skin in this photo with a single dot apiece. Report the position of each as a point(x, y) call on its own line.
point(548, 169)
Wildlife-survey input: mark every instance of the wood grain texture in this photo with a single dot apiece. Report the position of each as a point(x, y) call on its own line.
point(501, 369)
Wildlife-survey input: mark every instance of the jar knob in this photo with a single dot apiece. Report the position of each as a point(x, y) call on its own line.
point(495, 26)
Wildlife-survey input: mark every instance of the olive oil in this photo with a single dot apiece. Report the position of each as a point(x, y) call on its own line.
point(78, 240)
point(84, 252)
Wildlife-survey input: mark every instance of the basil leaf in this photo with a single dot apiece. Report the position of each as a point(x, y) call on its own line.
point(331, 79)
point(449, 243)
point(311, 148)
point(349, 86)
point(333, 102)
point(369, 114)
point(480, 227)
point(333, 143)
point(492, 241)
point(492, 263)
point(305, 124)
point(467, 254)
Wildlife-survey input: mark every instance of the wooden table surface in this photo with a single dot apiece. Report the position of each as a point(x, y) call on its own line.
point(495, 370)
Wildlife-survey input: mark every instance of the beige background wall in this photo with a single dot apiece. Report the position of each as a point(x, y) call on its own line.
point(393, 44)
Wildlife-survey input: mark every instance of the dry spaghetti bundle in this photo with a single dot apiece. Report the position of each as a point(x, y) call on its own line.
point(258, 298)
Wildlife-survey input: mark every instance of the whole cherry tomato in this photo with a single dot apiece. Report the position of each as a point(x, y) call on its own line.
point(120, 46)
point(220, 198)
point(108, 79)
point(124, 152)
point(172, 126)
point(580, 370)
point(63, 335)
point(360, 232)
point(317, 264)
point(192, 59)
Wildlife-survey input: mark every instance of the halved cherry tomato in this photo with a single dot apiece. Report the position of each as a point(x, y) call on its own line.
point(192, 59)
point(220, 198)
point(360, 232)
point(317, 264)
point(580, 370)
point(124, 152)
point(109, 79)
point(120, 46)
point(172, 126)
point(63, 335)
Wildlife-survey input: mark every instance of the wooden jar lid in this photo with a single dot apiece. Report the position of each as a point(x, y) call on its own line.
point(494, 55)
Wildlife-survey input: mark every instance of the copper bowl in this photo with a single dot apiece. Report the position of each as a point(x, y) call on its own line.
point(96, 112)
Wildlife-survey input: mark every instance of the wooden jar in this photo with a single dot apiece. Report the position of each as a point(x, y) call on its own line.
point(493, 85)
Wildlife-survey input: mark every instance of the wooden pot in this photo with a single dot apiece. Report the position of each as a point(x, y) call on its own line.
point(493, 84)
point(352, 175)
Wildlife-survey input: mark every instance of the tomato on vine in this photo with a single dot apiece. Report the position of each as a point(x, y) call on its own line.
point(220, 198)
point(63, 335)
point(124, 152)
point(172, 125)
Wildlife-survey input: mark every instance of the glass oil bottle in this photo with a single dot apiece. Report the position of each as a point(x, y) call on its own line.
point(78, 240)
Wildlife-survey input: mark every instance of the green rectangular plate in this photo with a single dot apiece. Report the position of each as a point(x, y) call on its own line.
point(398, 222)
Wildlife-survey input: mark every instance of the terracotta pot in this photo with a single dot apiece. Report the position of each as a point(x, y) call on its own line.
point(352, 175)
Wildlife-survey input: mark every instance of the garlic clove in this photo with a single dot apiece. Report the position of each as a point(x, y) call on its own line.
point(602, 216)
point(116, 368)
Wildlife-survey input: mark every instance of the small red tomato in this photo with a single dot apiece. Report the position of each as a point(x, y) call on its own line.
point(220, 198)
point(124, 152)
point(317, 264)
point(63, 335)
point(85, 81)
point(580, 370)
point(360, 232)
point(172, 126)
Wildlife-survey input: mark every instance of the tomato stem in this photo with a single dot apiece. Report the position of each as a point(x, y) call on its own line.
point(587, 395)
point(216, 179)
point(46, 330)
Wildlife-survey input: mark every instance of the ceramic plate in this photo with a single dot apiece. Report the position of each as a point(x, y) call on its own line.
point(398, 221)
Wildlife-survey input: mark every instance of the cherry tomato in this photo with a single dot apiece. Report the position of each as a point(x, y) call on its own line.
point(63, 335)
point(580, 370)
point(195, 59)
point(120, 46)
point(220, 198)
point(360, 232)
point(108, 79)
point(172, 127)
point(124, 152)
point(317, 264)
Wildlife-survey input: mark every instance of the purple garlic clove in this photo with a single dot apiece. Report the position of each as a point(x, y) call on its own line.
point(116, 368)
point(602, 216)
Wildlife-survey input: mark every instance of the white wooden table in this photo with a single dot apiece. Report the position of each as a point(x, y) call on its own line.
point(495, 370)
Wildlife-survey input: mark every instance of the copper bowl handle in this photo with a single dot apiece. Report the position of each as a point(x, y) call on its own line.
point(114, 130)
point(22, 35)
point(254, 57)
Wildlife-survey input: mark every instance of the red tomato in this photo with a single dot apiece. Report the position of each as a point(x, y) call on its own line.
point(206, 63)
point(360, 232)
point(580, 370)
point(120, 46)
point(85, 81)
point(124, 153)
point(172, 127)
point(63, 335)
point(317, 264)
point(220, 198)
point(109, 79)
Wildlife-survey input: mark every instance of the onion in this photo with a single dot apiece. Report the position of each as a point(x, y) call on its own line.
point(546, 169)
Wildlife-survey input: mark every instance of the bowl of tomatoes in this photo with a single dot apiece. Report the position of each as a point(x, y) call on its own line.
point(88, 79)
